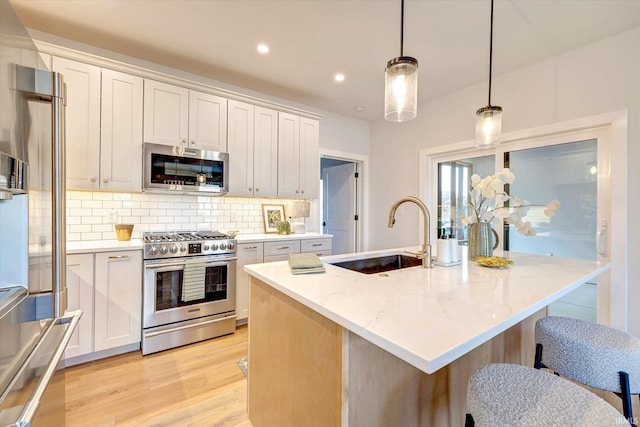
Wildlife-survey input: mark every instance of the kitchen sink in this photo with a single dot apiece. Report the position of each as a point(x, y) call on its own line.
point(380, 264)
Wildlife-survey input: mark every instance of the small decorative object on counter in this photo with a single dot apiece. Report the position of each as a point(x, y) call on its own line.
point(123, 231)
point(490, 203)
point(284, 227)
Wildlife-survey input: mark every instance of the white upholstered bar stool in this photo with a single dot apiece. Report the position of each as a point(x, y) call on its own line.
point(592, 354)
point(502, 394)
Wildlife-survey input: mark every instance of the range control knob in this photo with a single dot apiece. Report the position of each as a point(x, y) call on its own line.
point(163, 250)
point(153, 250)
point(183, 248)
point(214, 247)
point(231, 245)
point(223, 246)
point(206, 247)
point(174, 248)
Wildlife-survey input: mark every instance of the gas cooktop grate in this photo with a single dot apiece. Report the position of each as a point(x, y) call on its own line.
point(182, 236)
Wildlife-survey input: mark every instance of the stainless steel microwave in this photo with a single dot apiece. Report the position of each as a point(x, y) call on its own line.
point(170, 168)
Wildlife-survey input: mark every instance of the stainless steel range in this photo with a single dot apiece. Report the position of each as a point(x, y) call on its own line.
point(189, 290)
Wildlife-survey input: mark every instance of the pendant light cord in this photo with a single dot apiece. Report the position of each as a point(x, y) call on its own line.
point(490, 52)
point(402, 28)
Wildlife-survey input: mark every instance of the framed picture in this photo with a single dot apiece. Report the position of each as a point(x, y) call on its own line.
point(272, 215)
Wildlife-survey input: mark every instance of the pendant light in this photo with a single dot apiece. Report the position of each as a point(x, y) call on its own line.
point(401, 84)
point(489, 120)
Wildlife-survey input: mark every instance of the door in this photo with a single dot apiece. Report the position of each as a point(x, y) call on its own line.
point(572, 167)
point(566, 171)
point(340, 206)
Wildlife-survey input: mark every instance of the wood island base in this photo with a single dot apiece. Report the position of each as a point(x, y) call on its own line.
point(306, 370)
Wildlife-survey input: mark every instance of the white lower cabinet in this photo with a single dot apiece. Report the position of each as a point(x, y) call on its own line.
point(107, 287)
point(118, 299)
point(259, 252)
point(80, 297)
point(248, 253)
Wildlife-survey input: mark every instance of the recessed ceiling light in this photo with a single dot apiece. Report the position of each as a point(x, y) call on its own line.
point(358, 108)
point(339, 77)
point(263, 48)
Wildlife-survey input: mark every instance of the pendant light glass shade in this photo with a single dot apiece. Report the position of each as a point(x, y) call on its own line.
point(489, 120)
point(401, 89)
point(488, 126)
point(401, 83)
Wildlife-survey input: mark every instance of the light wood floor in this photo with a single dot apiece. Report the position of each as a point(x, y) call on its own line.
point(195, 385)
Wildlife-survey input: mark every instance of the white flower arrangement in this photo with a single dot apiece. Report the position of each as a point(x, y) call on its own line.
point(487, 199)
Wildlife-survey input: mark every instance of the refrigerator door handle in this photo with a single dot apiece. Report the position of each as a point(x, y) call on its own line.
point(70, 321)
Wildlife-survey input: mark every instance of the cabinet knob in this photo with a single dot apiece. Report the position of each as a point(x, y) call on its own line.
point(257, 189)
point(193, 142)
point(184, 141)
point(250, 189)
point(302, 191)
point(297, 191)
point(93, 179)
point(105, 180)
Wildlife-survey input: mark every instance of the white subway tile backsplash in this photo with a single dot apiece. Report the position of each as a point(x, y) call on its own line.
point(88, 213)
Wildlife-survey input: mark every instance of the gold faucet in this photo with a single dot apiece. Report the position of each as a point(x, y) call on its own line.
point(425, 254)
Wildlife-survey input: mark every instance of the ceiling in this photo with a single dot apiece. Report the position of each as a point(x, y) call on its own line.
point(311, 40)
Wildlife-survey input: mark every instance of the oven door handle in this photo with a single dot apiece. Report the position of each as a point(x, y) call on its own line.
point(180, 328)
point(181, 262)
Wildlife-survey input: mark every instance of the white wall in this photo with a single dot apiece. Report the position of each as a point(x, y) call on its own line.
point(595, 79)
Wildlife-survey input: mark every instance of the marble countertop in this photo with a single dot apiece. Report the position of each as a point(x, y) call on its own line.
point(242, 238)
point(431, 317)
point(86, 246)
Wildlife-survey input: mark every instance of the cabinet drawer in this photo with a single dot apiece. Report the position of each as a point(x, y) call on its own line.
point(316, 245)
point(282, 247)
point(320, 253)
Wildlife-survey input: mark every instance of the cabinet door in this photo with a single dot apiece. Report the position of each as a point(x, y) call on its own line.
point(288, 155)
point(166, 113)
point(309, 158)
point(82, 122)
point(248, 253)
point(80, 297)
point(207, 121)
point(121, 134)
point(240, 146)
point(265, 149)
point(118, 299)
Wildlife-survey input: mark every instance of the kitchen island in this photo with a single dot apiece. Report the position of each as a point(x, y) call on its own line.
point(395, 348)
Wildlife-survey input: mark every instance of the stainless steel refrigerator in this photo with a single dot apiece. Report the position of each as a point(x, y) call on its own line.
point(34, 328)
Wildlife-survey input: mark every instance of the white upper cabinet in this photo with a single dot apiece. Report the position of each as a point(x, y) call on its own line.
point(309, 158)
point(298, 157)
point(174, 115)
point(265, 165)
point(82, 122)
point(121, 134)
point(253, 150)
point(103, 127)
point(207, 121)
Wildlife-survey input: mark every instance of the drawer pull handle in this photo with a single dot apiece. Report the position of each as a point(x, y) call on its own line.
point(282, 247)
point(118, 256)
point(317, 244)
point(250, 247)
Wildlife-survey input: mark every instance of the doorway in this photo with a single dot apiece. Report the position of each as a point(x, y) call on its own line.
point(341, 192)
point(571, 166)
